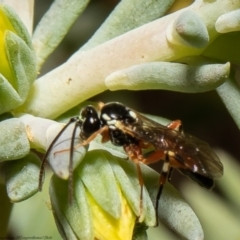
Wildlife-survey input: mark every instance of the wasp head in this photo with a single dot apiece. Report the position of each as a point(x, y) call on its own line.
point(90, 122)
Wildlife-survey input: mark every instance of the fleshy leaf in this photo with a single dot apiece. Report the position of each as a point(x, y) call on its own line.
point(229, 92)
point(23, 63)
point(97, 167)
point(128, 179)
point(21, 177)
point(228, 22)
point(188, 29)
point(6, 25)
point(135, 13)
point(48, 33)
point(62, 209)
point(178, 215)
point(19, 68)
point(169, 76)
point(19, 27)
point(82, 76)
point(85, 218)
point(14, 143)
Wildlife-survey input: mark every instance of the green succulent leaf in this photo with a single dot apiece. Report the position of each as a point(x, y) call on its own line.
point(77, 219)
point(135, 13)
point(18, 25)
point(127, 176)
point(169, 76)
point(97, 168)
point(228, 22)
point(188, 29)
point(96, 186)
point(14, 143)
point(178, 215)
point(23, 63)
point(74, 219)
point(21, 177)
point(19, 65)
point(229, 92)
point(83, 76)
point(49, 33)
point(22, 59)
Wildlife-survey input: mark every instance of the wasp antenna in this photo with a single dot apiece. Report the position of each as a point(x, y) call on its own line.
point(44, 159)
point(70, 179)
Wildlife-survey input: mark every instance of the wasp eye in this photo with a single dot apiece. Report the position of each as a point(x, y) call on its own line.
point(83, 113)
point(91, 121)
point(87, 112)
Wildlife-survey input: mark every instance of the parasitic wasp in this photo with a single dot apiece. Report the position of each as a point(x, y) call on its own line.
point(134, 132)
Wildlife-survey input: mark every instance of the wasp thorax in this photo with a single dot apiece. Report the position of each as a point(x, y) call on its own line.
point(90, 122)
point(112, 112)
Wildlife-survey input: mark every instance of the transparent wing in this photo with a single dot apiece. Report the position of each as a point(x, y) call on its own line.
point(190, 153)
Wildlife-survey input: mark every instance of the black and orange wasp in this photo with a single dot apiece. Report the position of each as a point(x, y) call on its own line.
point(134, 132)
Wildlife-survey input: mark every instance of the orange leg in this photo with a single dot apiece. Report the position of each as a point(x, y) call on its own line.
point(175, 125)
point(154, 157)
point(103, 131)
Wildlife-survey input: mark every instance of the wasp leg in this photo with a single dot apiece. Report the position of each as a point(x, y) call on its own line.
point(176, 125)
point(154, 157)
point(105, 137)
point(134, 152)
point(165, 175)
point(87, 141)
point(70, 167)
point(71, 151)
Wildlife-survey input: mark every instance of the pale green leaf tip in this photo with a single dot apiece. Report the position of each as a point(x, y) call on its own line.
point(188, 30)
point(228, 22)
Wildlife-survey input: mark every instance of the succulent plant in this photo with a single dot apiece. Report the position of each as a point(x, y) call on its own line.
point(182, 46)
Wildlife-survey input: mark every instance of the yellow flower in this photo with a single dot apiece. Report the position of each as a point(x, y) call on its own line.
point(106, 200)
point(18, 63)
point(108, 227)
point(5, 66)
